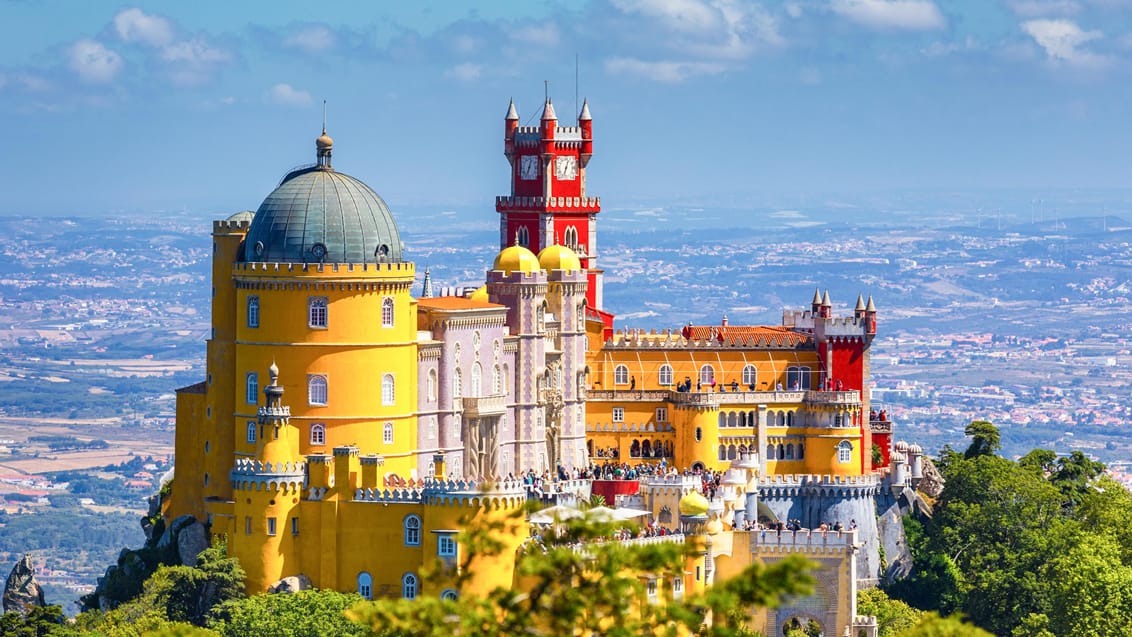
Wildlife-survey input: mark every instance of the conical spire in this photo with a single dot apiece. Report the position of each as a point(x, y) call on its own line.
point(825, 300)
point(860, 303)
point(426, 291)
point(585, 114)
point(817, 297)
point(512, 113)
point(548, 111)
point(870, 307)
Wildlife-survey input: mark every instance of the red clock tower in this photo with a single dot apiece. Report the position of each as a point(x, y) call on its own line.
point(548, 203)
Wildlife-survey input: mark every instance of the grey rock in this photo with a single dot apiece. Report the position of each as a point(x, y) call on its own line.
point(892, 538)
point(291, 584)
point(191, 540)
point(21, 591)
point(168, 539)
point(931, 484)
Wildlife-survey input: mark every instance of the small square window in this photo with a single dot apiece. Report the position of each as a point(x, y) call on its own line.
point(662, 414)
point(618, 414)
point(317, 311)
point(446, 546)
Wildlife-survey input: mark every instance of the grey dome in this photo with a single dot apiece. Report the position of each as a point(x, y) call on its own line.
point(317, 215)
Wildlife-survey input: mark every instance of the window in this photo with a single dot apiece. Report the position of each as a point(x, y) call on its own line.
point(316, 389)
point(662, 414)
point(387, 312)
point(271, 526)
point(750, 376)
point(318, 434)
point(251, 431)
point(432, 384)
point(446, 546)
point(665, 375)
point(572, 238)
point(294, 526)
point(621, 375)
point(540, 319)
point(247, 525)
point(409, 586)
point(523, 237)
point(699, 434)
point(651, 587)
point(252, 389)
point(253, 311)
point(412, 530)
point(477, 378)
point(844, 452)
point(316, 311)
point(387, 394)
point(387, 433)
point(448, 594)
point(677, 585)
point(618, 414)
point(707, 375)
point(365, 585)
point(797, 378)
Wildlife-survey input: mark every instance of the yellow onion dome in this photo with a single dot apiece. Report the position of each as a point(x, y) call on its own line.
point(559, 258)
point(480, 295)
point(516, 259)
point(694, 504)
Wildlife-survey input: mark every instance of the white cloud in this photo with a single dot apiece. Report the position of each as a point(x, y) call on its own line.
point(939, 49)
point(134, 25)
point(708, 29)
point(93, 62)
point(466, 72)
point(1036, 8)
point(683, 15)
point(288, 95)
point(195, 51)
point(664, 71)
point(312, 39)
point(543, 35)
point(911, 15)
point(1062, 39)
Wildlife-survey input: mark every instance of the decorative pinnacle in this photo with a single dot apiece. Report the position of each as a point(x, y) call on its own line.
point(548, 111)
point(825, 300)
point(817, 297)
point(512, 113)
point(870, 307)
point(273, 372)
point(585, 114)
point(860, 303)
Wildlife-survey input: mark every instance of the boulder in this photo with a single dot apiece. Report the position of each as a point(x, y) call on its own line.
point(931, 484)
point(191, 540)
point(292, 584)
point(21, 591)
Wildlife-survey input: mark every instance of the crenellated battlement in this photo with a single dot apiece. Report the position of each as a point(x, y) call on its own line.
point(785, 486)
point(568, 204)
point(354, 270)
point(505, 493)
point(230, 226)
point(253, 475)
point(669, 339)
point(805, 541)
point(247, 466)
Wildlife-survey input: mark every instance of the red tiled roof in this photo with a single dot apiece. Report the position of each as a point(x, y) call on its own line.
point(454, 303)
point(771, 335)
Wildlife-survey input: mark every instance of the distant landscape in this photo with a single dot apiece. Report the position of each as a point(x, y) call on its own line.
point(1020, 318)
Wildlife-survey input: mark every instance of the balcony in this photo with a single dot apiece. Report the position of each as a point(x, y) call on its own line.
point(880, 426)
point(484, 406)
point(834, 398)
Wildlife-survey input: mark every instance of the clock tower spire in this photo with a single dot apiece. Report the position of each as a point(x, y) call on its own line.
point(548, 202)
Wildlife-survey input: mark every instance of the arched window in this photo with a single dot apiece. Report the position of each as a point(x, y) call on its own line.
point(253, 311)
point(318, 434)
point(801, 451)
point(722, 452)
point(505, 381)
point(365, 585)
point(750, 376)
point(571, 237)
point(448, 594)
point(523, 237)
point(665, 375)
point(789, 419)
point(496, 381)
point(409, 586)
point(732, 420)
point(707, 375)
point(730, 452)
point(387, 312)
point(412, 530)
point(699, 434)
point(844, 452)
point(540, 319)
point(635, 449)
point(457, 384)
point(251, 431)
point(770, 451)
point(387, 390)
point(477, 378)
point(790, 451)
point(316, 389)
point(387, 433)
point(621, 375)
point(781, 451)
point(432, 384)
point(252, 389)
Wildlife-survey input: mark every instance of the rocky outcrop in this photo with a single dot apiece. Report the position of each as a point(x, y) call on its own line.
point(292, 584)
point(21, 591)
point(191, 541)
point(931, 484)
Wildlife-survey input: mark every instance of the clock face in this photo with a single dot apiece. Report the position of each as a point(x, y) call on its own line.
point(528, 167)
point(566, 168)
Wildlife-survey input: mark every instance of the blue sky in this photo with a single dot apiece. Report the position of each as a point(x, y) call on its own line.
point(202, 106)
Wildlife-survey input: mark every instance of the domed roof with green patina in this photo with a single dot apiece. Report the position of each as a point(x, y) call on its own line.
point(319, 215)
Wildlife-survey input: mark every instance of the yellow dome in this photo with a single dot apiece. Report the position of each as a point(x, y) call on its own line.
point(480, 295)
point(516, 258)
point(559, 258)
point(693, 504)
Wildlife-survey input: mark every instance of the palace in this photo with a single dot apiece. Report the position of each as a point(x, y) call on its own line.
point(341, 412)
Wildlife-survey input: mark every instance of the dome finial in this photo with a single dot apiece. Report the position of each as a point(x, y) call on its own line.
point(324, 144)
point(273, 372)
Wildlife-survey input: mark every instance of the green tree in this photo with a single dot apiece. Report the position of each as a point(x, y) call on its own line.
point(301, 614)
point(596, 589)
point(1074, 476)
point(934, 626)
point(985, 440)
point(1092, 590)
point(40, 621)
point(892, 615)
